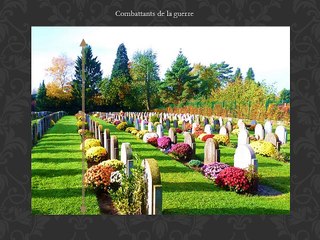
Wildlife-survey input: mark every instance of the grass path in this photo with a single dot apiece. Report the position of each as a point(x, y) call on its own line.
point(188, 192)
point(57, 172)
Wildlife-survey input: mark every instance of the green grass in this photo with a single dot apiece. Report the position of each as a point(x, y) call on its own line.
point(188, 192)
point(56, 163)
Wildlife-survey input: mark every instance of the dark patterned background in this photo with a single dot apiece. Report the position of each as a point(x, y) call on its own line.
point(16, 19)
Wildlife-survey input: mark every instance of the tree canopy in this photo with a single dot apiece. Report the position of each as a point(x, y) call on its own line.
point(179, 85)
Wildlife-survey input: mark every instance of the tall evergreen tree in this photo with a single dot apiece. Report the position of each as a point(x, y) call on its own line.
point(250, 74)
point(93, 77)
point(117, 90)
point(179, 85)
point(42, 99)
point(120, 67)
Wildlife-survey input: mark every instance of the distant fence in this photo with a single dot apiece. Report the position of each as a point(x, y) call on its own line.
point(39, 128)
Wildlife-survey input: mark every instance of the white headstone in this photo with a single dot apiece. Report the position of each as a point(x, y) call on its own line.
point(148, 136)
point(126, 157)
point(160, 130)
point(150, 127)
point(241, 125)
point(282, 134)
point(229, 126)
point(173, 135)
point(208, 129)
point(259, 132)
point(244, 157)
point(243, 137)
point(267, 127)
point(223, 131)
point(106, 141)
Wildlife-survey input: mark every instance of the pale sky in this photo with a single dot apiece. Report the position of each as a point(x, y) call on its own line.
point(265, 49)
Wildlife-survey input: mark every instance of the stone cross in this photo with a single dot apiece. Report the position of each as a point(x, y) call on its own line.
point(244, 157)
point(211, 151)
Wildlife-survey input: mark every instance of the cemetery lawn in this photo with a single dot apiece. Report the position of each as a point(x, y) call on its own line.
point(56, 163)
point(188, 192)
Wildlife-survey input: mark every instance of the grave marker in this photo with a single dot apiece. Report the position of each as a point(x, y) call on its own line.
point(150, 127)
point(243, 137)
point(167, 124)
point(160, 130)
point(149, 135)
point(268, 127)
point(136, 124)
point(154, 187)
point(142, 125)
point(273, 138)
point(223, 131)
point(114, 148)
point(127, 157)
point(259, 132)
point(282, 134)
point(106, 141)
point(189, 139)
point(229, 126)
point(211, 151)
point(175, 123)
point(173, 135)
point(244, 157)
point(207, 129)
